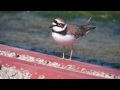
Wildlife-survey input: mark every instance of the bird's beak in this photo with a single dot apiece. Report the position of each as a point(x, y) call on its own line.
point(51, 26)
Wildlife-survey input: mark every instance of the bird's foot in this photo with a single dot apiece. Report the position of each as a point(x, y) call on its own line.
point(63, 58)
point(69, 59)
point(66, 59)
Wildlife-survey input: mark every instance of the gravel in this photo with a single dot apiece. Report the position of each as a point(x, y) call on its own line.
point(54, 64)
point(13, 73)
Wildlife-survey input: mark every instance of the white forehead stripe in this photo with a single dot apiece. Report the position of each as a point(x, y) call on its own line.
point(53, 23)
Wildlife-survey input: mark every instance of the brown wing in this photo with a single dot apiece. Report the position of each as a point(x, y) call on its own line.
point(75, 30)
point(78, 31)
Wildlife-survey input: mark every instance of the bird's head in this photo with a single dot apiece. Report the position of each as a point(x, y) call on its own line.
point(58, 25)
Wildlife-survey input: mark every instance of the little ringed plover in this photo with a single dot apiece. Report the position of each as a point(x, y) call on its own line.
point(66, 34)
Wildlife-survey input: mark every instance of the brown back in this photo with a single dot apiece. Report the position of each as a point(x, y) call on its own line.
point(77, 31)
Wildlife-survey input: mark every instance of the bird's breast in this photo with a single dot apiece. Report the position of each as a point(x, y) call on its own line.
point(64, 40)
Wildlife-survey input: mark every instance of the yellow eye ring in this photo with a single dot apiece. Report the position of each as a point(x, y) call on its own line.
point(59, 24)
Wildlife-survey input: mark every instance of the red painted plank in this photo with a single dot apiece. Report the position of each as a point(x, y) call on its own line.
point(79, 66)
point(48, 72)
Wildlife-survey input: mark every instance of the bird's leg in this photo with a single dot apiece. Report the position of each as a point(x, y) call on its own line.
point(63, 52)
point(71, 52)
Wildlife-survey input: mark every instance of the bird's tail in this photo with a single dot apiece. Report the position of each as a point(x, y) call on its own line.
point(91, 28)
point(88, 23)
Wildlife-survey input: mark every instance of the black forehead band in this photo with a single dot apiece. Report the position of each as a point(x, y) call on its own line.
point(55, 21)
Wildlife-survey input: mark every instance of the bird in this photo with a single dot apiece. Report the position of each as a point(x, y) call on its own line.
point(66, 34)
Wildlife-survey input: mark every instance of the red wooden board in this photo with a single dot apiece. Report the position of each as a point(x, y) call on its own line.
point(72, 69)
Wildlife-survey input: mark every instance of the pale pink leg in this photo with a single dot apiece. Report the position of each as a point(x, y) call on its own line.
point(63, 52)
point(71, 52)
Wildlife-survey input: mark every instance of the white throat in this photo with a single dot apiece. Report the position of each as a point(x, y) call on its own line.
point(58, 29)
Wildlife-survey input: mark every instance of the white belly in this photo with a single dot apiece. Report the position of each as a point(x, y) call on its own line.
point(64, 40)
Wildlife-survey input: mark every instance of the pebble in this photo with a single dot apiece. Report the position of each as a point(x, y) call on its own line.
point(49, 63)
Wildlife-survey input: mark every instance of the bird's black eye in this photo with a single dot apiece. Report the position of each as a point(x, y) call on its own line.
point(59, 24)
